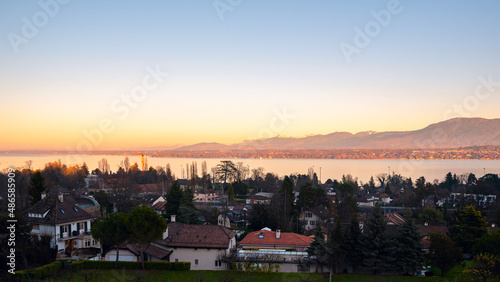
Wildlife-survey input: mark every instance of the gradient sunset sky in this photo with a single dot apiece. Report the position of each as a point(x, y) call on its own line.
point(231, 71)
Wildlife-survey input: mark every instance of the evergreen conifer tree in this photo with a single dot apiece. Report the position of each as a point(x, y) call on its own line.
point(318, 251)
point(378, 248)
point(409, 255)
point(353, 243)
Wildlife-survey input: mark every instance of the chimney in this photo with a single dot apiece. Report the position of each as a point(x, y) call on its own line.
point(44, 195)
point(165, 234)
point(172, 218)
point(61, 197)
point(278, 234)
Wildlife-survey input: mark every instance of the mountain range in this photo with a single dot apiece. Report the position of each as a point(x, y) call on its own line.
point(452, 133)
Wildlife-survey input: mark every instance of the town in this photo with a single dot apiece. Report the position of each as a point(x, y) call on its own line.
point(235, 218)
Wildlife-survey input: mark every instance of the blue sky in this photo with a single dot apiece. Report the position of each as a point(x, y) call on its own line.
point(228, 76)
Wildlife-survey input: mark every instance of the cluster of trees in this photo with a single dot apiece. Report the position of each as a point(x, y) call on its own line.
point(31, 183)
point(30, 251)
point(180, 203)
point(371, 249)
point(142, 226)
point(407, 193)
point(283, 211)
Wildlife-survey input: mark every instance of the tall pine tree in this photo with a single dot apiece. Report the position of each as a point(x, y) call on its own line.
point(188, 213)
point(378, 248)
point(335, 243)
point(318, 252)
point(37, 187)
point(409, 254)
point(353, 244)
point(174, 198)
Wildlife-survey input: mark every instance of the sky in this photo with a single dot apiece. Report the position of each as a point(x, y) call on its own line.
point(98, 75)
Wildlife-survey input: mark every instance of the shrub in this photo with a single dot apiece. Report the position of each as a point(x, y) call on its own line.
point(41, 272)
point(149, 265)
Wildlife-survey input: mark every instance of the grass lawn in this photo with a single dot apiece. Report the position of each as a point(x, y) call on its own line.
point(153, 275)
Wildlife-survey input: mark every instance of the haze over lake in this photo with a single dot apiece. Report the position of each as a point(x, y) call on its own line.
point(334, 169)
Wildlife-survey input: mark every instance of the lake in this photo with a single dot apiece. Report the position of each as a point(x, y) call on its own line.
point(334, 169)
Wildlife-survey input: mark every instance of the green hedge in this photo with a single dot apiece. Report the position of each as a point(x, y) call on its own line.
point(41, 272)
point(51, 269)
point(150, 265)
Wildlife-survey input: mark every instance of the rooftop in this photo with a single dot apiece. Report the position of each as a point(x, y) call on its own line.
point(266, 237)
point(51, 210)
point(197, 236)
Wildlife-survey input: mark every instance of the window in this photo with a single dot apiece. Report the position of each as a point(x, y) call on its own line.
point(312, 222)
point(309, 214)
point(218, 263)
point(195, 262)
point(87, 243)
point(36, 227)
point(65, 228)
point(94, 242)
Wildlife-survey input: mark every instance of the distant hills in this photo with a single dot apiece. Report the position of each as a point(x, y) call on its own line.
point(453, 133)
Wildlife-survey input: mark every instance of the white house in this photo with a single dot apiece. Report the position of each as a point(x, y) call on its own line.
point(202, 245)
point(67, 224)
point(313, 217)
point(270, 248)
point(205, 196)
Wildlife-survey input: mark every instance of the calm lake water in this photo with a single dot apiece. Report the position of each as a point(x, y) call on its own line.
point(334, 169)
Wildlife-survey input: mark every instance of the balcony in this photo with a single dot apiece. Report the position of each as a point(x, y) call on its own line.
point(75, 235)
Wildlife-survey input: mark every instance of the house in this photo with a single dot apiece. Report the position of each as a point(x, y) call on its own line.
point(91, 181)
point(202, 245)
point(286, 250)
point(148, 189)
point(366, 201)
point(205, 196)
point(480, 199)
point(267, 239)
point(237, 217)
point(61, 218)
point(159, 207)
point(131, 252)
point(183, 183)
point(258, 199)
point(149, 200)
point(315, 216)
point(394, 218)
point(89, 205)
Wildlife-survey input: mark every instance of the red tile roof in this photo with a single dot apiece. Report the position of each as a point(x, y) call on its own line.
point(197, 236)
point(160, 206)
point(269, 238)
point(395, 218)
